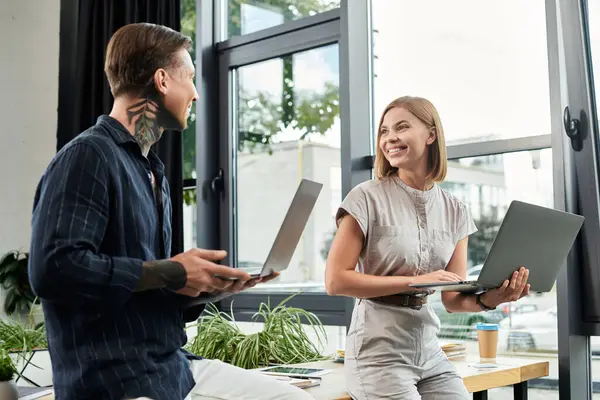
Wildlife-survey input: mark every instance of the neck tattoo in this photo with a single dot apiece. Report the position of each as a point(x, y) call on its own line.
point(147, 115)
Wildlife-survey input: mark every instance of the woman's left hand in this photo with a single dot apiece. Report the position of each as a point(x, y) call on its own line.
point(509, 291)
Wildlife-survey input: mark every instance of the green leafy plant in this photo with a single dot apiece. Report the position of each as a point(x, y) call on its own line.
point(22, 339)
point(7, 366)
point(283, 339)
point(14, 278)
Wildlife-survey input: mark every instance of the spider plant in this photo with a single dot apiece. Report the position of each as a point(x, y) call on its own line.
point(22, 340)
point(8, 390)
point(7, 366)
point(22, 337)
point(283, 339)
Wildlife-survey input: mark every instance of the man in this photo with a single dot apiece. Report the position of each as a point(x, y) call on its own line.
point(115, 301)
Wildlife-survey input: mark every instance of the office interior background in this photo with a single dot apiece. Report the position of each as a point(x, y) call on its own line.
point(293, 89)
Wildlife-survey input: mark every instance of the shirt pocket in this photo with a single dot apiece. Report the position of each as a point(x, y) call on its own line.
point(443, 248)
point(393, 250)
point(388, 230)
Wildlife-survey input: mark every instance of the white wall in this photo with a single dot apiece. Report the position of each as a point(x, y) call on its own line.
point(28, 109)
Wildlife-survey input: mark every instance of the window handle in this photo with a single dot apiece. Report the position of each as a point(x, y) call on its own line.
point(573, 130)
point(217, 184)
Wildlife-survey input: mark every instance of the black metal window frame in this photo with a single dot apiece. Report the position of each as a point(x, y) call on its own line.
point(215, 64)
point(350, 27)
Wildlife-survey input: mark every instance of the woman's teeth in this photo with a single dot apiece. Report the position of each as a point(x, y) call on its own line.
point(396, 150)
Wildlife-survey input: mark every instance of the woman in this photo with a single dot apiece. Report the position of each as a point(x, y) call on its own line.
point(399, 229)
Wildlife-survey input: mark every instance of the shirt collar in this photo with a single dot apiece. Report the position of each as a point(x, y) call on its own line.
point(122, 136)
point(118, 132)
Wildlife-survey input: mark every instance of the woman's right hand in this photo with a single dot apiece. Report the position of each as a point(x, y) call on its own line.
point(440, 275)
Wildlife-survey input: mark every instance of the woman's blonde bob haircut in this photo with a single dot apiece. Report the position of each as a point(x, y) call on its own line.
point(426, 112)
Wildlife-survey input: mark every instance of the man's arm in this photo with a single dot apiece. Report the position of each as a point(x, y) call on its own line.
point(70, 217)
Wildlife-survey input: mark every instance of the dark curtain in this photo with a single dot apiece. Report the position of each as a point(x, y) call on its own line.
point(84, 94)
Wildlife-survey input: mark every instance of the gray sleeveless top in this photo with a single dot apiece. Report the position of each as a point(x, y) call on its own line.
point(407, 231)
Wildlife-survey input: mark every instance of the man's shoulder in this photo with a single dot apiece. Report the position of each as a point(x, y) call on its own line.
point(95, 139)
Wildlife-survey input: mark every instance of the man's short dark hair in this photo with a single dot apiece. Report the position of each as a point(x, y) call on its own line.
point(136, 51)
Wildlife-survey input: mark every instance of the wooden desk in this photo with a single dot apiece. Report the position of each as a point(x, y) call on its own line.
point(510, 371)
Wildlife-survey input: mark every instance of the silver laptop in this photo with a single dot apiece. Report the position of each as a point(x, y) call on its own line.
point(535, 237)
point(291, 229)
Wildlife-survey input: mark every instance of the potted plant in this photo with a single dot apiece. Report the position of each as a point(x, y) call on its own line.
point(8, 390)
point(283, 339)
point(27, 346)
point(14, 278)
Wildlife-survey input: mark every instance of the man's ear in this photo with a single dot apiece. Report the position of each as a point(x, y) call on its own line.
point(432, 135)
point(161, 79)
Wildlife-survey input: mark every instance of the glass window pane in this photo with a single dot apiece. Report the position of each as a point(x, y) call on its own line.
point(247, 16)
point(488, 185)
point(288, 129)
point(188, 28)
point(595, 369)
point(593, 8)
point(189, 219)
point(525, 176)
point(483, 64)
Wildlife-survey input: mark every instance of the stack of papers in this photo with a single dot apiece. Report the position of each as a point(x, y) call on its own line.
point(33, 393)
point(302, 383)
point(454, 351)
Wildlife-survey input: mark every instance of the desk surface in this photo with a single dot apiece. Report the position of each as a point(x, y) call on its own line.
point(508, 372)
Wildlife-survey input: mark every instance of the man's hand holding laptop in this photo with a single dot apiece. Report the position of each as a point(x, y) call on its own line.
point(202, 274)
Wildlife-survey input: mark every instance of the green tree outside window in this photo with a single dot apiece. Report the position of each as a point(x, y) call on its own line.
point(308, 112)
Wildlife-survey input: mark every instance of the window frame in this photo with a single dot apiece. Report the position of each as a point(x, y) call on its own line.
point(575, 171)
point(216, 223)
point(357, 148)
point(351, 27)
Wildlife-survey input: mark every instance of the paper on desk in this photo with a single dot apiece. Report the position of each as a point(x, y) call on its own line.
point(484, 365)
point(301, 383)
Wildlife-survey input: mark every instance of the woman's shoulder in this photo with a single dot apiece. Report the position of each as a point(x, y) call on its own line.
point(453, 204)
point(372, 187)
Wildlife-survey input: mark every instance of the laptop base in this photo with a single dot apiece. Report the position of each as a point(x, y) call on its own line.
point(469, 287)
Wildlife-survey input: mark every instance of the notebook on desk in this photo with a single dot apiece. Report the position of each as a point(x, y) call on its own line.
point(34, 393)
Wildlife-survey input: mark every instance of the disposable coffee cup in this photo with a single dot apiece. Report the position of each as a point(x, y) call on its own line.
point(487, 336)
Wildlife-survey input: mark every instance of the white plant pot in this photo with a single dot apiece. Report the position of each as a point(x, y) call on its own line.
point(39, 370)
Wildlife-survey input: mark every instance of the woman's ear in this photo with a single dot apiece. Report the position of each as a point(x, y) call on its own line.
point(432, 136)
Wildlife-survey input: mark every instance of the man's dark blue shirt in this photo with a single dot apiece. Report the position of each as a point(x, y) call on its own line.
point(96, 219)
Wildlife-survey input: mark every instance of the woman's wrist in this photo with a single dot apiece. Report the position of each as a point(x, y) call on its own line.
point(402, 283)
point(486, 301)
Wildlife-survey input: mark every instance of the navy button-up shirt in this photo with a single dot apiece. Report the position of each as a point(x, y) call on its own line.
point(96, 219)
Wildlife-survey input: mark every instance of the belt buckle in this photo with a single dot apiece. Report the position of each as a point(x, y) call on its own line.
point(405, 301)
point(417, 298)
